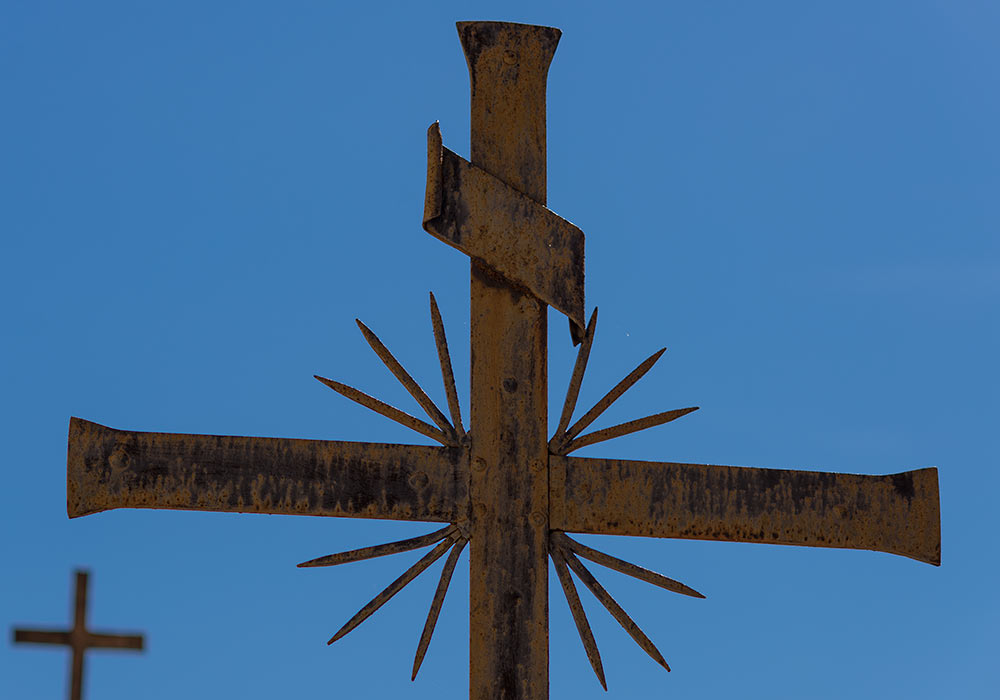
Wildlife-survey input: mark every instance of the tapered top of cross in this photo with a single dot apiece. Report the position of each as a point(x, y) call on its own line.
point(78, 638)
point(503, 485)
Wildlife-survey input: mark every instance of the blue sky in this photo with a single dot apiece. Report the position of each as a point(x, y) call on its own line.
point(798, 201)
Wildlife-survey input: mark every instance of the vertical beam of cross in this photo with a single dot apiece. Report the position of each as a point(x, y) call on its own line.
point(79, 638)
point(508, 66)
point(78, 635)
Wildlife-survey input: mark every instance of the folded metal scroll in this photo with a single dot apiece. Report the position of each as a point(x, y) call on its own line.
point(511, 233)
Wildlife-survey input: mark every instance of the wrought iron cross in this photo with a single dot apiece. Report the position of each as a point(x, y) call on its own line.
point(79, 638)
point(505, 487)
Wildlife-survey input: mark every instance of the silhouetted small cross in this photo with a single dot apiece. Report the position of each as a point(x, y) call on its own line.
point(79, 638)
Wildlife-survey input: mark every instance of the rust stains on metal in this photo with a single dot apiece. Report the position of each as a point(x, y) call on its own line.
point(896, 513)
point(508, 231)
point(109, 468)
point(508, 64)
point(79, 638)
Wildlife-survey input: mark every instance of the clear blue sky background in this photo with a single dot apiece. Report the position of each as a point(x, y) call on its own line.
point(798, 199)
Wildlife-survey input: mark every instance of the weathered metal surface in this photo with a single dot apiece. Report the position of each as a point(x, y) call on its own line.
point(558, 442)
point(622, 566)
point(579, 616)
point(381, 550)
point(576, 380)
point(109, 468)
point(411, 386)
point(432, 615)
point(447, 375)
point(616, 610)
point(390, 412)
point(79, 638)
point(395, 587)
point(895, 513)
point(632, 426)
point(510, 232)
point(508, 551)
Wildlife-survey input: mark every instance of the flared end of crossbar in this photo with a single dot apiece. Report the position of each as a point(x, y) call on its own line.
point(85, 440)
point(920, 488)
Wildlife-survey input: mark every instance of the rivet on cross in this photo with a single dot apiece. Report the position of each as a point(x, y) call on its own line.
point(79, 638)
point(505, 487)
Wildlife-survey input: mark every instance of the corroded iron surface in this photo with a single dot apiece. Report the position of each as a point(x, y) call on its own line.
point(509, 232)
point(895, 513)
point(508, 549)
point(79, 638)
point(109, 468)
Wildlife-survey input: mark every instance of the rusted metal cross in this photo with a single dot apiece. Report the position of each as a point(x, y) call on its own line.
point(505, 486)
point(79, 638)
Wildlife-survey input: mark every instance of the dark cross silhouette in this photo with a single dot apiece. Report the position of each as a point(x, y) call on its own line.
point(79, 638)
point(505, 487)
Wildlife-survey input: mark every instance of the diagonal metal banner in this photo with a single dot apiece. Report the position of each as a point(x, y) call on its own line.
point(511, 233)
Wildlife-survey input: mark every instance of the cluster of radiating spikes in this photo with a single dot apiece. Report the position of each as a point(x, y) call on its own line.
point(565, 439)
point(563, 550)
point(448, 537)
point(448, 433)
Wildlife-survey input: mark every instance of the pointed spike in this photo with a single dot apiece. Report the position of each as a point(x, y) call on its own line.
point(447, 375)
point(579, 616)
point(632, 426)
point(388, 411)
point(380, 550)
point(623, 566)
point(616, 610)
point(436, 603)
point(393, 588)
point(613, 395)
point(411, 386)
point(573, 391)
